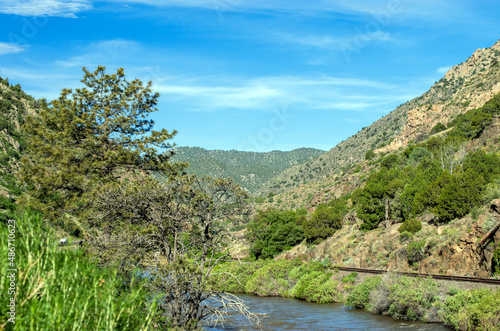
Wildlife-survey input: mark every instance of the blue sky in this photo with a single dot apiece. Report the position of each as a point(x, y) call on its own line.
point(249, 75)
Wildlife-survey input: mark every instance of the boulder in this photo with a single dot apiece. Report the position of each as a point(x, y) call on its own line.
point(495, 206)
point(428, 218)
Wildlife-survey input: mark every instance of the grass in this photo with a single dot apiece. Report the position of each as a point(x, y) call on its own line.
point(60, 289)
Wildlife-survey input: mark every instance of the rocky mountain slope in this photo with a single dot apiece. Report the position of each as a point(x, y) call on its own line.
point(14, 106)
point(450, 249)
point(455, 247)
point(466, 86)
point(249, 169)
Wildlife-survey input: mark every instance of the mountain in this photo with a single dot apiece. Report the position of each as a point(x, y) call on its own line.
point(466, 86)
point(249, 169)
point(14, 106)
point(420, 187)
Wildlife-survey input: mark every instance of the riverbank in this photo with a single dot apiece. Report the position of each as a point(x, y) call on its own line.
point(404, 298)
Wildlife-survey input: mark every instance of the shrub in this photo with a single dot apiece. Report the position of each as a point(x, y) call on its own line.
point(323, 223)
point(438, 128)
point(326, 292)
point(495, 261)
point(4, 158)
point(389, 161)
point(272, 279)
point(273, 231)
point(473, 310)
point(416, 251)
point(369, 155)
point(412, 298)
point(308, 284)
point(360, 295)
point(233, 277)
point(412, 225)
point(350, 279)
point(418, 154)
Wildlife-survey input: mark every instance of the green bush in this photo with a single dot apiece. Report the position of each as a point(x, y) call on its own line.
point(412, 298)
point(360, 295)
point(4, 158)
point(438, 128)
point(416, 251)
point(477, 309)
point(233, 277)
point(273, 231)
point(272, 279)
point(405, 235)
point(471, 124)
point(418, 154)
point(389, 161)
point(495, 262)
point(412, 225)
point(328, 292)
point(322, 224)
point(308, 284)
point(369, 155)
point(459, 194)
point(350, 279)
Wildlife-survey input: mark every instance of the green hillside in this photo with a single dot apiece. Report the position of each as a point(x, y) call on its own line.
point(249, 169)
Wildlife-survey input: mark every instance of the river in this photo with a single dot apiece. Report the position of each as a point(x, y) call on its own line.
point(292, 314)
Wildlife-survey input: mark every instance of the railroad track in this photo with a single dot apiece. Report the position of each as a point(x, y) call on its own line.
point(412, 274)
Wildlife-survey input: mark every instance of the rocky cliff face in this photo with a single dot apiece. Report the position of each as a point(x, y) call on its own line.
point(14, 106)
point(466, 86)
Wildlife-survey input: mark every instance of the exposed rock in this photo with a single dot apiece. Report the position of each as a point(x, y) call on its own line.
point(427, 218)
point(495, 206)
point(349, 218)
point(316, 200)
point(464, 258)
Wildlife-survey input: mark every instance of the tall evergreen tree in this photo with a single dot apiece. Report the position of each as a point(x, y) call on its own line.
point(89, 137)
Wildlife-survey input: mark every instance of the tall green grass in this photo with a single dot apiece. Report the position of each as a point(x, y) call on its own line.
point(61, 289)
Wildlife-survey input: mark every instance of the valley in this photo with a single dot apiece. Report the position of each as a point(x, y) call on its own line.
point(416, 191)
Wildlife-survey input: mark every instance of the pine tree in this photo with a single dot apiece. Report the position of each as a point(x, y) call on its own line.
point(89, 137)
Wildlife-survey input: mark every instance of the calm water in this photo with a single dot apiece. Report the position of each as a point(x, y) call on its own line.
point(291, 314)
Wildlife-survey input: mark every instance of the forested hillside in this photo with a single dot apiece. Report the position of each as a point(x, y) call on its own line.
point(248, 169)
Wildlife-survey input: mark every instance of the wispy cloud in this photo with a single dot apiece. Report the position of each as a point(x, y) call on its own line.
point(329, 42)
point(443, 70)
point(267, 93)
point(424, 9)
point(102, 52)
point(62, 8)
point(6, 48)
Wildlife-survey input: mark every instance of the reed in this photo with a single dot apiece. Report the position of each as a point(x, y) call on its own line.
point(61, 289)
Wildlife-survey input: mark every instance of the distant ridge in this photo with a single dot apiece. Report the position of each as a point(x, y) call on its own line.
point(249, 169)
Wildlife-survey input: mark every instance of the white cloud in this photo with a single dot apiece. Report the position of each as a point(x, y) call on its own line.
point(443, 70)
point(267, 93)
point(62, 8)
point(6, 48)
point(436, 10)
point(100, 53)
